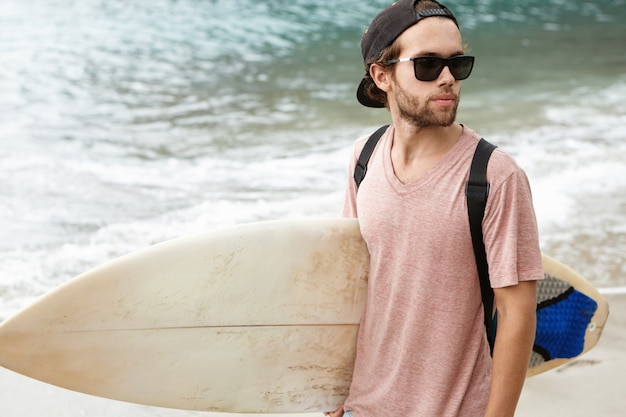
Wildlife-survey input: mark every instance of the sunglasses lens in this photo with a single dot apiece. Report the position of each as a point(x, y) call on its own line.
point(461, 66)
point(428, 68)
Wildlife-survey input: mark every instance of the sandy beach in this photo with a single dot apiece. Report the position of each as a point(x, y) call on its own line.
point(591, 385)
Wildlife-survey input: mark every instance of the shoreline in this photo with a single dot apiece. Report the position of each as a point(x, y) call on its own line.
point(590, 385)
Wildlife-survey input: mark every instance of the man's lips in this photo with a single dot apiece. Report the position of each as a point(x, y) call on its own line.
point(445, 99)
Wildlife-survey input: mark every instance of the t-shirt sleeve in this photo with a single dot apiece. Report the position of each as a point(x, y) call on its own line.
point(510, 232)
point(349, 202)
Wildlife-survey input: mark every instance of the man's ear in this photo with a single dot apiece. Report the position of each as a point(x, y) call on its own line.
point(381, 77)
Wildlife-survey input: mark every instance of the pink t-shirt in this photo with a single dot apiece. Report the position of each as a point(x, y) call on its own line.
point(422, 349)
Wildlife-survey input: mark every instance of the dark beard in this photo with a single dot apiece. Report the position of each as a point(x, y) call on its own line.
point(421, 116)
point(428, 118)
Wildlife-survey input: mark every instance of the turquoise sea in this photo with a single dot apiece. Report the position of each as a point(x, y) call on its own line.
point(126, 122)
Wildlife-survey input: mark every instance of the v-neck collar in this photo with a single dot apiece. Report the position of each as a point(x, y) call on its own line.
point(429, 176)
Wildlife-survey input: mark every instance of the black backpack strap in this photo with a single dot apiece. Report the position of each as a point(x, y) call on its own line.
point(361, 166)
point(476, 191)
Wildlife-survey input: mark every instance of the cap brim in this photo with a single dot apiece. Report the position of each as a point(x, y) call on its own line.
point(364, 98)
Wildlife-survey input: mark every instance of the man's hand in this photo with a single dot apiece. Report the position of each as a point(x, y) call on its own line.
point(337, 413)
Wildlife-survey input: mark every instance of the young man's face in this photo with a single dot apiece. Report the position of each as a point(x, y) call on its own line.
point(427, 103)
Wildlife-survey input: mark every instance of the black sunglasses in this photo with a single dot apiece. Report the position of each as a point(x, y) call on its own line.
point(428, 68)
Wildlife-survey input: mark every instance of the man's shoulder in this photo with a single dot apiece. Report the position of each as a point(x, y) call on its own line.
point(501, 164)
point(360, 141)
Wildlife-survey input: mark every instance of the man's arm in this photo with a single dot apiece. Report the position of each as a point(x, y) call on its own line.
point(515, 336)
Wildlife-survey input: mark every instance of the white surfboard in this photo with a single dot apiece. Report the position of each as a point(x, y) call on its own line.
point(260, 318)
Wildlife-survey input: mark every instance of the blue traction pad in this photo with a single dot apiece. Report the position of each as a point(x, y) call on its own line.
point(562, 323)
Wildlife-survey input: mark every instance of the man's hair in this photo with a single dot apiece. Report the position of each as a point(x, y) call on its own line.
point(371, 89)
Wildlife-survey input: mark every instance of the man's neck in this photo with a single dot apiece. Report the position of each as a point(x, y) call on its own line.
point(411, 142)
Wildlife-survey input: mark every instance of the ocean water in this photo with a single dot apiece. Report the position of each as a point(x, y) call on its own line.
point(124, 122)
